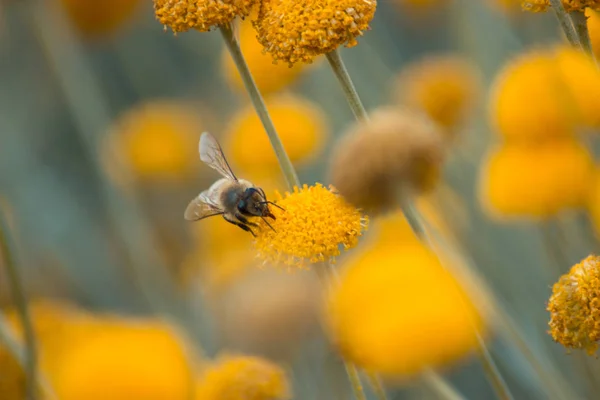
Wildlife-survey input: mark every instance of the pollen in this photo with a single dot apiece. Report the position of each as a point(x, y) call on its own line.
point(570, 5)
point(313, 226)
point(575, 307)
point(294, 31)
point(202, 15)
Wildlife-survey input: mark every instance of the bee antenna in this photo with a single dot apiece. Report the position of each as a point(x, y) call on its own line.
point(275, 204)
point(267, 222)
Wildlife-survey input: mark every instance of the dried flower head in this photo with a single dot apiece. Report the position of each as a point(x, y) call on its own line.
point(202, 15)
point(92, 21)
point(393, 301)
point(243, 378)
point(537, 180)
point(575, 307)
point(378, 160)
point(570, 5)
point(301, 30)
point(444, 86)
point(314, 224)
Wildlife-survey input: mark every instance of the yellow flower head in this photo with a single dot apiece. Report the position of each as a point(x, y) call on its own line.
point(445, 87)
point(575, 307)
point(202, 15)
point(301, 30)
point(395, 152)
point(269, 77)
point(536, 180)
point(92, 20)
point(594, 29)
point(570, 5)
point(315, 224)
point(243, 378)
point(158, 139)
point(390, 307)
point(301, 125)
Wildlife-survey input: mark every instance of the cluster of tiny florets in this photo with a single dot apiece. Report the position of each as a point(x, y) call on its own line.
point(570, 5)
point(575, 307)
point(294, 31)
point(202, 15)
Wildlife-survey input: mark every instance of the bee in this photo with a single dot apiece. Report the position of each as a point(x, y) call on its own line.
point(235, 199)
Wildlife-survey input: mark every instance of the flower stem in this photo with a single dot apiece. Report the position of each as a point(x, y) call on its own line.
point(565, 22)
point(355, 381)
point(492, 372)
point(440, 385)
point(259, 105)
point(341, 73)
point(377, 386)
point(18, 293)
point(581, 27)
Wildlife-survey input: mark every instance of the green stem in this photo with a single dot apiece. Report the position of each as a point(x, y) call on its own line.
point(18, 293)
point(377, 386)
point(355, 382)
point(565, 22)
point(492, 372)
point(581, 27)
point(259, 105)
point(441, 386)
point(341, 73)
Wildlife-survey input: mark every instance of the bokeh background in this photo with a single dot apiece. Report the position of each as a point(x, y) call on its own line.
point(100, 115)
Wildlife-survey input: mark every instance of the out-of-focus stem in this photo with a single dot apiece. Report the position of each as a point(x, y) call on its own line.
point(565, 22)
point(341, 73)
point(377, 386)
point(440, 385)
point(581, 27)
point(18, 293)
point(259, 105)
point(491, 370)
point(355, 382)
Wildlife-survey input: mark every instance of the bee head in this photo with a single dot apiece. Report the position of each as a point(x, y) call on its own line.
point(253, 203)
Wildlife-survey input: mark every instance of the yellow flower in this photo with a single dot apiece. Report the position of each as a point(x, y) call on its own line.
point(594, 29)
point(315, 224)
point(575, 307)
point(301, 125)
point(423, 4)
point(183, 15)
point(395, 153)
point(12, 378)
point(536, 180)
point(393, 302)
point(570, 5)
point(529, 100)
point(269, 77)
point(158, 139)
point(443, 86)
point(93, 20)
point(243, 378)
point(301, 30)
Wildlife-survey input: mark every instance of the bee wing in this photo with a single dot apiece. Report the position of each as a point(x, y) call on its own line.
point(212, 155)
point(202, 207)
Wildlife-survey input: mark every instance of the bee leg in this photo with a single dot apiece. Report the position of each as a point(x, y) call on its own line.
point(241, 225)
point(244, 220)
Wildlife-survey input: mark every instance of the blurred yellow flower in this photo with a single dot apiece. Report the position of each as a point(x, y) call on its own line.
point(423, 4)
point(536, 180)
point(158, 139)
point(575, 307)
point(12, 377)
point(313, 226)
point(93, 20)
point(594, 29)
point(393, 302)
point(445, 86)
point(243, 378)
point(183, 15)
point(303, 30)
point(301, 125)
point(269, 77)
point(570, 5)
point(529, 102)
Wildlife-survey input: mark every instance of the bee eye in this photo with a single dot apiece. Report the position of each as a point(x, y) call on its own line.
point(241, 205)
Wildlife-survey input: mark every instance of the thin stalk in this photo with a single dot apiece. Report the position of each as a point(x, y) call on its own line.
point(581, 27)
point(259, 105)
point(441, 386)
point(341, 73)
point(377, 386)
point(355, 382)
point(491, 370)
point(565, 23)
point(18, 293)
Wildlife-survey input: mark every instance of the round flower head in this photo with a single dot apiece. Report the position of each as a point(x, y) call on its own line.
point(243, 378)
point(529, 102)
point(300, 123)
point(314, 223)
point(381, 158)
point(575, 307)
point(535, 181)
point(269, 77)
point(393, 302)
point(301, 30)
point(92, 20)
point(570, 5)
point(445, 87)
point(202, 15)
